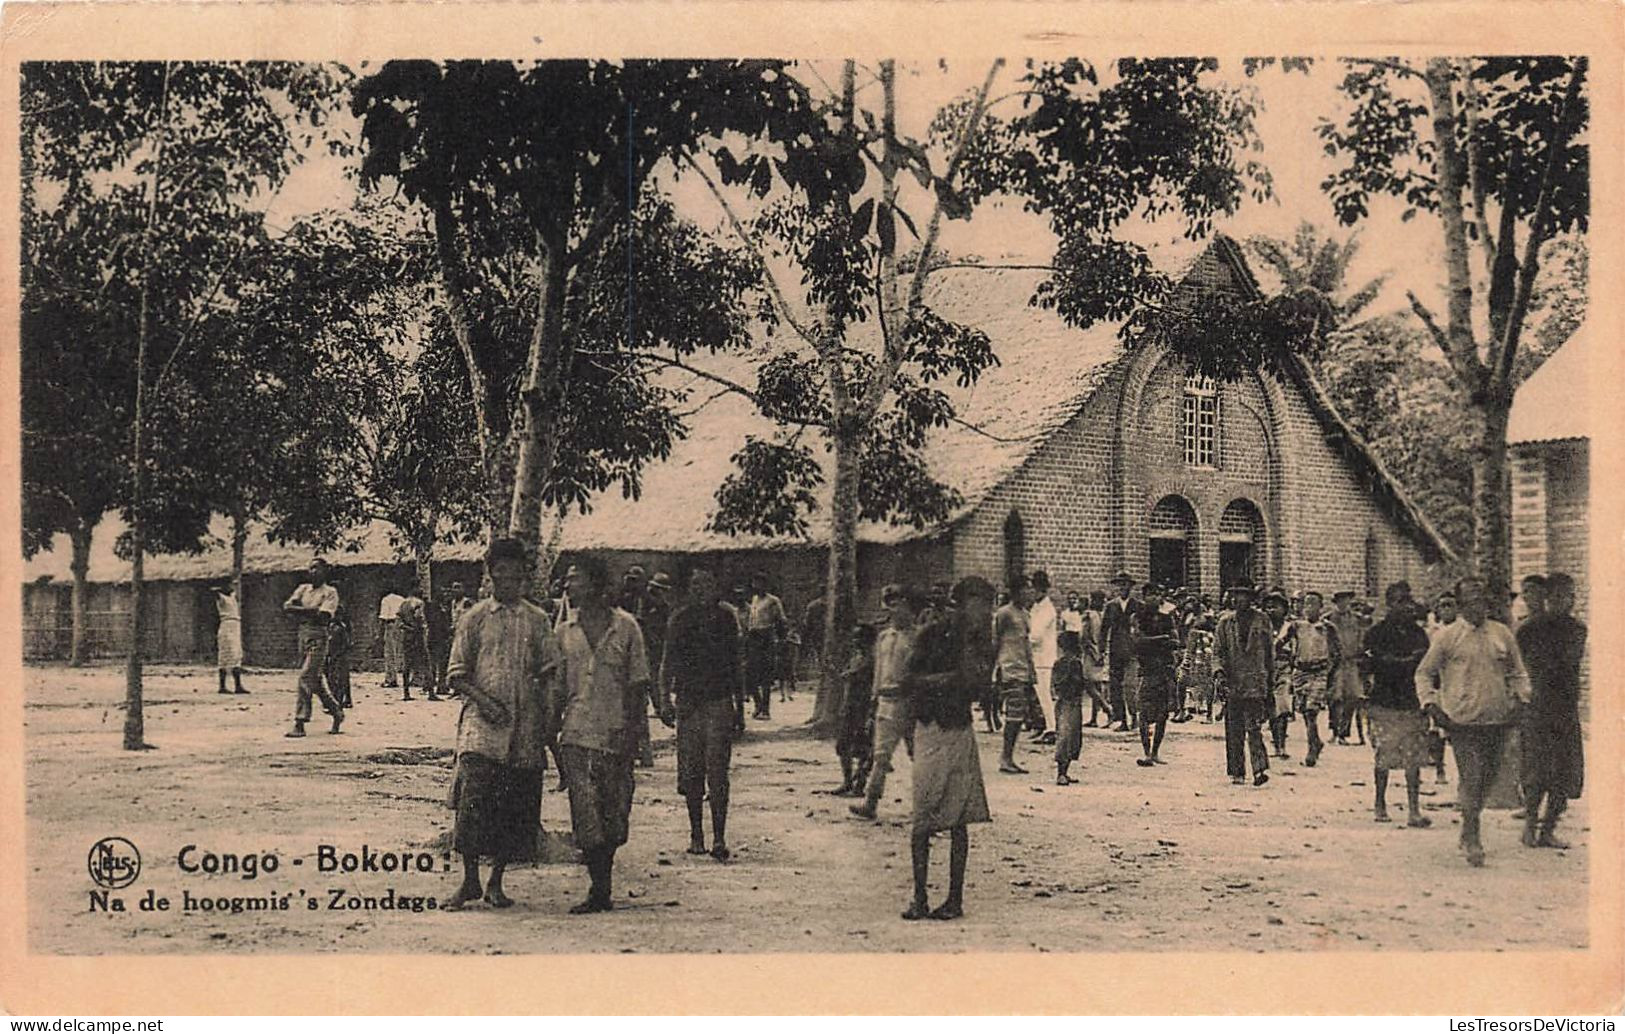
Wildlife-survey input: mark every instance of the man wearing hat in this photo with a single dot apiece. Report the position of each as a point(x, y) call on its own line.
point(1348, 682)
point(894, 721)
point(1244, 649)
point(1114, 629)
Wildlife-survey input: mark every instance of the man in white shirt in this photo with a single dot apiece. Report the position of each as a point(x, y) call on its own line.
point(1043, 631)
point(313, 605)
point(1473, 684)
point(389, 608)
point(894, 719)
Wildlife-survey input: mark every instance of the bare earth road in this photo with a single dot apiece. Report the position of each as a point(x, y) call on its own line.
point(1173, 858)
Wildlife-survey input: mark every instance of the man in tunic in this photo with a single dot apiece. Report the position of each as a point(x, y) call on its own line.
point(313, 605)
point(1093, 657)
point(894, 720)
point(413, 621)
point(1472, 683)
point(389, 608)
point(1114, 621)
point(764, 625)
point(1347, 691)
point(702, 670)
point(602, 691)
point(1393, 648)
point(1043, 625)
point(503, 658)
point(229, 637)
point(1014, 669)
point(1553, 644)
point(1156, 639)
point(1244, 650)
point(951, 662)
point(1313, 646)
point(638, 599)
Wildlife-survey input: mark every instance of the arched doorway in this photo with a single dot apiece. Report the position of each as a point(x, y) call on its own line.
point(1171, 539)
point(1241, 543)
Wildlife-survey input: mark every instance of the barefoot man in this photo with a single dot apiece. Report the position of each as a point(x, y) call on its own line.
point(1399, 730)
point(313, 605)
point(502, 656)
point(1473, 684)
point(703, 669)
point(952, 661)
point(602, 692)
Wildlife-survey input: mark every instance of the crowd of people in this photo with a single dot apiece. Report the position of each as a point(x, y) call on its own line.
point(574, 675)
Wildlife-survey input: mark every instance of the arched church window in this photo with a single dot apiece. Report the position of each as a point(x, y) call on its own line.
point(1199, 421)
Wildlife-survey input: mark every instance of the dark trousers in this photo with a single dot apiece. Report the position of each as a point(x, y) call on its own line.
point(1478, 751)
point(1244, 721)
point(1278, 731)
point(1311, 732)
point(1119, 669)
point(759, 668)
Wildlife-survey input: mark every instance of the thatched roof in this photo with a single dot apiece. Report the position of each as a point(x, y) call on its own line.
point(1047, 372)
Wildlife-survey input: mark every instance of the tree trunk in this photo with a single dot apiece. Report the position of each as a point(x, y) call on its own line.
point(1492, 550)
point(135, 732)
point(841, 612)
point(80, 566)
point(423, 566)
point(239, 545)
point(539, 403)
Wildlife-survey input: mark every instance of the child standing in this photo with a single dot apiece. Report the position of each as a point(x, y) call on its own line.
point(1067, 689)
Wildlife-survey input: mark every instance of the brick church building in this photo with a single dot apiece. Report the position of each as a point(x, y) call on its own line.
point(1074, 454)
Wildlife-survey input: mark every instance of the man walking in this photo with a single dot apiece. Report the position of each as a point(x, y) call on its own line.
point(1553, 644)
point(1156, 637)
point(389, 608)
point(950, 664)
point(1014, 669)
point(1244, 649)
point(602, 690)
point(1399, 730)
point(1043, 622)
point(313, 605)
point(1472, 682)
point(503, 659)
point(894, 721)
point(764, 625)
point(1314, 651)
point(1093, 657)
point(1347, 682)
point(1276, 607)
point(1114, 622)
point(412, 619)
point(703, 670)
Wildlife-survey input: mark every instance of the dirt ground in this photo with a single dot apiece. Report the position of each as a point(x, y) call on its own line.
point(1130, 859)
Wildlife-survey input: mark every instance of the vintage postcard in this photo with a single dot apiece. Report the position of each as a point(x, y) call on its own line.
point(812, 508)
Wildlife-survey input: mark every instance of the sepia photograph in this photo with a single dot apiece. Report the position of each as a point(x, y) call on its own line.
point(1108, 502)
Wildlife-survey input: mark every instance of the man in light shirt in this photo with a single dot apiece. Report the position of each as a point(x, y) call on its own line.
point(1013, 669)
point(764, 625)
point(894, 721)
point(313, 605)
point(389, 608)
point(1043, 628)
point(1473, 684)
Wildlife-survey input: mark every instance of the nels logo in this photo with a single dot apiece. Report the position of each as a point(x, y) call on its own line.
point(114, 863)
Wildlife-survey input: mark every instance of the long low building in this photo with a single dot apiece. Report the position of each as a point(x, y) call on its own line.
point(1074, 454)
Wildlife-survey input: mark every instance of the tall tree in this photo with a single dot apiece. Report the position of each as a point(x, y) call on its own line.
point(530, 174)
point(1495, 149)
point(151, 174)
